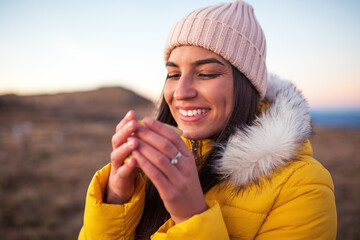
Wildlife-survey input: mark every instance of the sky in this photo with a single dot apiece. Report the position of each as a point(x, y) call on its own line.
point(49, 46)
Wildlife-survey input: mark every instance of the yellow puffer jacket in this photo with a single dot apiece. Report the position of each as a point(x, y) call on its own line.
point(286, 194)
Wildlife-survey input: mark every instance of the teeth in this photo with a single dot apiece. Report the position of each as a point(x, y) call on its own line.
point(192, 113)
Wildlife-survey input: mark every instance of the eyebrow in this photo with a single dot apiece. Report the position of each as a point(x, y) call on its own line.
point(171, 64)
point(198, 62)
point(207, 61)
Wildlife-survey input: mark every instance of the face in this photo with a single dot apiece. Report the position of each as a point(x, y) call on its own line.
point(199, 91)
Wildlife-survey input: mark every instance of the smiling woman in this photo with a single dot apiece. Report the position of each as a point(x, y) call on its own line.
point(243, 168)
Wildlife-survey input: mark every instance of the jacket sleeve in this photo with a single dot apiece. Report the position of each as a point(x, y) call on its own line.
point(207, 225)
point(305, 207)
point(111, 221)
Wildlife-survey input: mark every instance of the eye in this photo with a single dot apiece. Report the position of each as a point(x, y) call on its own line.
point(173, 76)
point(208, 76)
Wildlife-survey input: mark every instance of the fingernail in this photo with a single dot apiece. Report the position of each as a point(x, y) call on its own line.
point(130, 161)
point(127, 116)
point(130, 124)
point(148, 120)
point(131, 142)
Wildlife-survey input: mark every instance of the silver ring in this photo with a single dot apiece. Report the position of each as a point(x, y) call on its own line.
point(175, 160)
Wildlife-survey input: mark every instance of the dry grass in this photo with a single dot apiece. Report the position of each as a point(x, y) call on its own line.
point(50, 147)
point(339, 151)
point(45, 177)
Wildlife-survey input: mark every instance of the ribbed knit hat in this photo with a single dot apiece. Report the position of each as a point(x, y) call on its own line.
point(231, 31)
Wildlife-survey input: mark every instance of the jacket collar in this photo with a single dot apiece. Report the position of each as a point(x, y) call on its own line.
point(275, 138)
point(201, 148)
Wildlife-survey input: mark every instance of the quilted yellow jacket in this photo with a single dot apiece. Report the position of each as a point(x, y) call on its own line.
point(286, 194)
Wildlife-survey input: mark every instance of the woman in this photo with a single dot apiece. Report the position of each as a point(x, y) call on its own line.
point(243, 168)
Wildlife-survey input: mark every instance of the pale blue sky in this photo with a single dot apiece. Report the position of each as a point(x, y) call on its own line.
point(52, 46)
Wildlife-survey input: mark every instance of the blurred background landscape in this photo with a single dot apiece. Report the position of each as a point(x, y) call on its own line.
point(51, 145)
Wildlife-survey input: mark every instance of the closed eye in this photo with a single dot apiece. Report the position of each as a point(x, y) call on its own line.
point(208, 76)
point(173, 76)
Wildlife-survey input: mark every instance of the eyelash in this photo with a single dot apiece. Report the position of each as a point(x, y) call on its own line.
point(172, 76)
point(201, 75)
point(209, 76)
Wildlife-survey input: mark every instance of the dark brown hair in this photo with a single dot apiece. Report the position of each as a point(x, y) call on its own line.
point(244, 112)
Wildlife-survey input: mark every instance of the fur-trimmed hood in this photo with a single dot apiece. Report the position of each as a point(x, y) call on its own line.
point(273, 139)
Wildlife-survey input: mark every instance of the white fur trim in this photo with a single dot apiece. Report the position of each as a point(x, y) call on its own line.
point(272, 140)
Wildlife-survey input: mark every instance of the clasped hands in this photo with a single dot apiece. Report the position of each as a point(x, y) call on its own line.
point(152, 147)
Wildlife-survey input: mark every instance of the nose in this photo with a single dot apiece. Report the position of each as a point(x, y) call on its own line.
point(185, 88)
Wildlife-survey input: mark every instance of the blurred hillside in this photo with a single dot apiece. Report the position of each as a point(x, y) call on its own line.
point(51, 145)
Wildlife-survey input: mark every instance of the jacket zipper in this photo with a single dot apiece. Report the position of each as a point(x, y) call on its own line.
point(194, 147)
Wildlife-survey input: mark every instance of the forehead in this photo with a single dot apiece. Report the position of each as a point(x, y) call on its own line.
point(189, 54)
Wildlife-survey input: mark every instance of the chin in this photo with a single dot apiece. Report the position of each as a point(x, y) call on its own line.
point(196, 135)
point(190, 134)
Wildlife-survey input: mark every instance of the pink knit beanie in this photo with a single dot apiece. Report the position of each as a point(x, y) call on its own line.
point(231, 31)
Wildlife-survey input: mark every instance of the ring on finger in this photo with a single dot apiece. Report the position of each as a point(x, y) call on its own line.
point(175, 159)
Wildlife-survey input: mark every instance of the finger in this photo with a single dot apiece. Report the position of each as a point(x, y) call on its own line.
point(159, 180)
point(129, 168)
point(122, 135)
point(159, 142)
point(161, 129)
point(159, 160)
point(130, 115)
point(169, 134)
point(119, 154)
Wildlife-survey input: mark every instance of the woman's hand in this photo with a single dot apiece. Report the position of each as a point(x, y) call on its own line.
point(121, 184)
point(178, 185)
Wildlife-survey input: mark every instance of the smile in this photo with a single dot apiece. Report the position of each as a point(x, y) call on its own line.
point(193, 112)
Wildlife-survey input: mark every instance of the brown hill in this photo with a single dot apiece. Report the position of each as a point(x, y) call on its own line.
point(104, 104)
